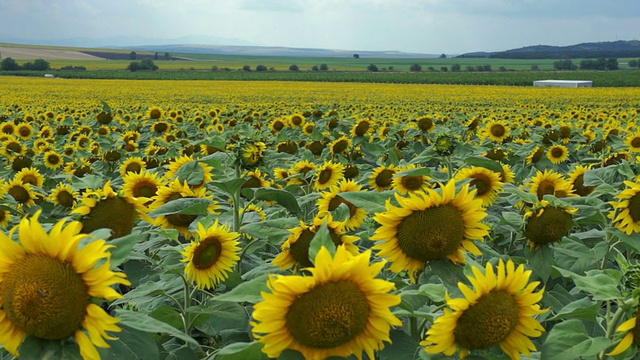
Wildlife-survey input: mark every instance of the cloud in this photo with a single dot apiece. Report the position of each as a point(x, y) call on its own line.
point(295, 6)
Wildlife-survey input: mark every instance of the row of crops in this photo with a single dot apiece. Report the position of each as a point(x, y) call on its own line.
point(256, 220)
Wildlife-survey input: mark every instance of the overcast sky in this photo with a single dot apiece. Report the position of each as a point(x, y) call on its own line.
point(424, 26)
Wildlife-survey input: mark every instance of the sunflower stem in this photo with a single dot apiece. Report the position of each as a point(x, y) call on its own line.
point(186, 317)
point(413, 328)
point(449, 169)
point(243, 252)
point(236, 203)
point(611, 326)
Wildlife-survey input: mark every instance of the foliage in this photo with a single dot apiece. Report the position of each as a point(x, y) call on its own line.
point(9, 64)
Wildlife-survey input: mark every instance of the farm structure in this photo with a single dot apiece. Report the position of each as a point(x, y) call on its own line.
point(564, 83)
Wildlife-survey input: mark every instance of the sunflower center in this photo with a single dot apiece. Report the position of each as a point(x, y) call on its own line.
point(482, 184)
point(432, 233)
point(65, 199)
point(635, 142)
point(207, 253)
point(328, 315)
point(145, 189)
point(549, 227)
point(497, 130)
point(362, 128)
point(114, 213)
point(340, 146)
point(324, 176)
point(44, 297)
point(14, 147)
point(20, 194)
point(384, 178)
point(300, 249)
point(337, 200)
point(412, 183)
point(557, 152)
point(545, 188)
point(634, 207)
point(53, 159)
point(580, 189)
point(133, 167)
point(488, 322)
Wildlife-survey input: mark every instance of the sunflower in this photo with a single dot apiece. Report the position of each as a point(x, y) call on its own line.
point(486, 182)
point(316, 147)
point(626, 211)
point(255, 179)
point(24, 131)
point(576, 178)
point(382, 177)
point(8, 128)
point(277, 124)
point(404, 184)
point(176, 190)
point(616, 158)
point(340, 145)
point(330, 200)
point(557, 154)
point(296, 120)
point(429, 226)
point(104, 208)
point(30, 176)
point(251, 154)
point(154, 112)
point(160, 127)
point(22, 193)
point(141, 185)
point(49, 286)
point(550, 182)
point(52, 160)
point(63, 195)
point(301, 172)
point(341, 309)
point(212, 256)
point(253, 208)
point(546, 223)
point(289, 147)
point(307, 128)
point(5, 218)
point(12, 147)
point(506, 176)
point(633, 142)
point(178, 163)
point(360, 128)
point(280, 173)
point(632, 337)
point(133, 164)
point(295, 250)
point(328, 175)
point(497, 131)
point(425, 123)
point(535, 155)
point(498, 311)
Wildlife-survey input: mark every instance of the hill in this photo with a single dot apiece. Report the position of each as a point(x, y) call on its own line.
point(608, 49)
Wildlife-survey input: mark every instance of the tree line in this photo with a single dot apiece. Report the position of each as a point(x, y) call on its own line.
point(9, 64)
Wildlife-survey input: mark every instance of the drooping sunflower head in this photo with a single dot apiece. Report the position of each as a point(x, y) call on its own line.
point(486, 182)
point(340, 310)
point(155, 112)
point(256, 179)
point(546, 223)
point(382, 177)
point(535, 155)
point(211, 256)
point(48, 286)
point(63, 195)
point(632, 336)
point(328, 175)
point(576, 178)
point(250, 154)
point(410, 179)
point(429, 226)
point(506, 176)
point(360, 128)
point(557, 154)
point(295, 249)
point(104, 208)
point(616, 158)
point(498, 311)
point(330, 200)
point(626, 210)
point(339, 145)
point(289, 147)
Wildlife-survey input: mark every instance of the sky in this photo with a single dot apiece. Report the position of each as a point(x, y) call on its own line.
point(417, 26)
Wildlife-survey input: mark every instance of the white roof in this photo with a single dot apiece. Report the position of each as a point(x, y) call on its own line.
point(565, 81)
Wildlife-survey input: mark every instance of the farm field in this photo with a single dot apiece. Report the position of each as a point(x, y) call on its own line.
point(312, 220)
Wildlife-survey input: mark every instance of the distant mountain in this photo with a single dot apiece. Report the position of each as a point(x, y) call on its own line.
point(610, 49)
point(271, 51)
point(121, 41)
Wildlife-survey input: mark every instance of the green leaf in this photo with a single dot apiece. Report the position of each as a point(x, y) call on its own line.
point(146, 323)
point(123, 246)
point(322, 239)
point(599, 176)
point(168, 315)
point(34, 348)
point(275, 231)
point(248, 291)
point(371, 201)
point(241, 351)
point(231, 187)
point(577, 257)
point(402, 346)
point(131, 344)
point(190, 172)
point(484, 162)
point(569, 340)
point(541, 260)
point(187, 206)
point(598, 283)
point(414, 172)
point(513, 219)
point(584, 309)
point(219, 316)
point(282, 197)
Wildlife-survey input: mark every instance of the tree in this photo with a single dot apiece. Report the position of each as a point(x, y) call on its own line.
point(324, 67)
point(356, 56)
point(9, 64)
point(502, 68)
point(479, 68)
point(455, 67)
point(133, 55)
point(587, 64)
point(444, 69)
point(486, 68)
point(535, 67)
point(415, 67)
point(443, 56)
point(431, 69)
point(261, 68)
point(246, 68)
point(167, 56)
point(633, 63)
point(315, 68)
point(470, 68)
point(155, 56)
point(294, 67)
point(600, 64)
point(133, 66)
point(612, 64)
point(41, 65)
point(390, 68)
point(147, 64)
point(566, 64)
point(214, 68)
point(372, 67)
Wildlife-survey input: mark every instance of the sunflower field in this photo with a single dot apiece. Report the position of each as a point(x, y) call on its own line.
point(291, 220)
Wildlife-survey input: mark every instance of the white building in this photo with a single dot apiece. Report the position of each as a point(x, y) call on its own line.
point(564, 83)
